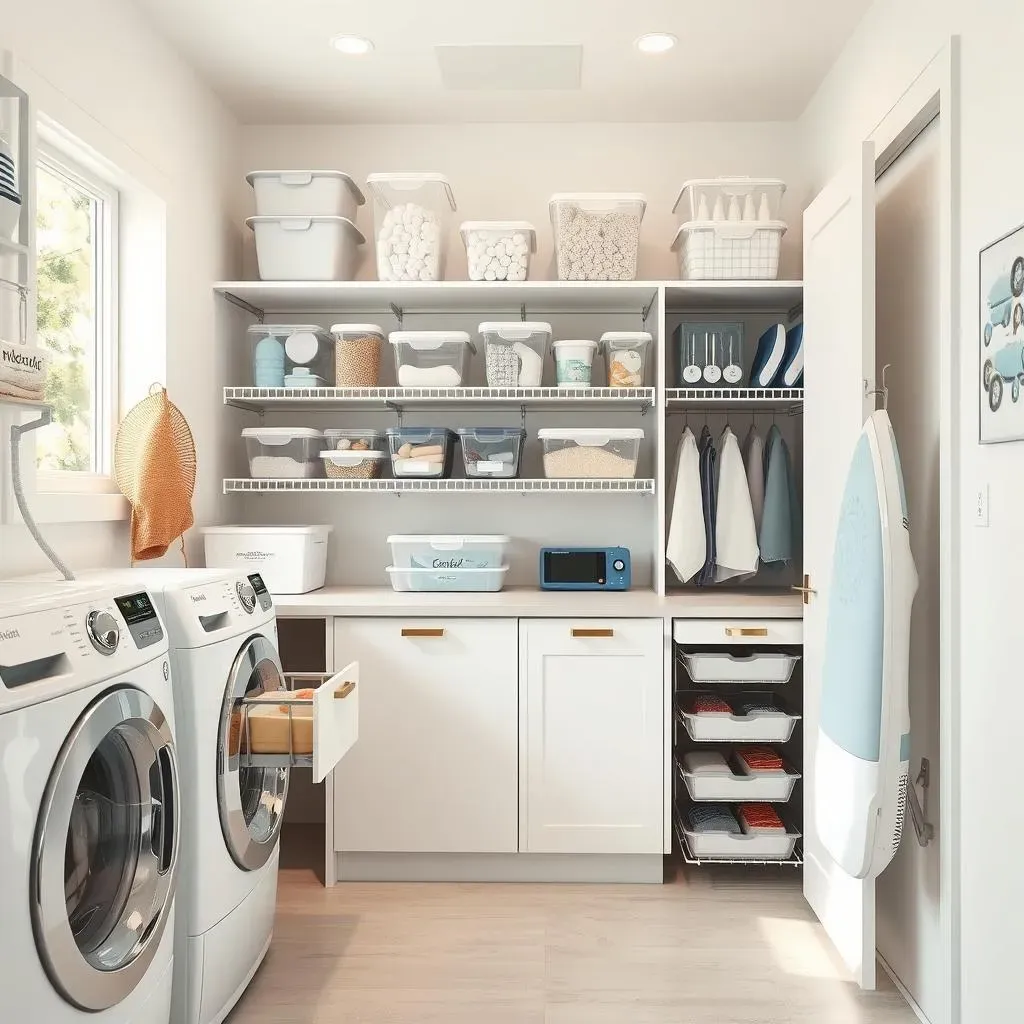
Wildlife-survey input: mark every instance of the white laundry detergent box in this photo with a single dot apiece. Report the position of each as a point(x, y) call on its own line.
point(23, 370)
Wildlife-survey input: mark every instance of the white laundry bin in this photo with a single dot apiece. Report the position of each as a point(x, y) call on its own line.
point(291, 559)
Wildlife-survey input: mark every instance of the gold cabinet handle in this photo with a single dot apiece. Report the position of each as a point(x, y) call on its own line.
point(806, 589)
point(422, 632)
point(746, 630)
point(590, 634)
point(344, 690)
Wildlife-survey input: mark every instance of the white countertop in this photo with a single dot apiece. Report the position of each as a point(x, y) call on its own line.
point(528, 602)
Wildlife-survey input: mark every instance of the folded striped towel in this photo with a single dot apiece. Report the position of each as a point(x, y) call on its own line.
point(23, 371)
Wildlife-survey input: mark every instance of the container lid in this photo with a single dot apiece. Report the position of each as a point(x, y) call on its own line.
point(407, 181)
point(514, 330)
point(449, 540)
point(277, 432)
point(352, 458)
point(296, 179)
point(727, 228)
point(419, 432)
point(424, 341)
point(433, 572)
point(740, 184)
point(500, 225)
point(629, 337)
point(305, 223)
point(590, 436)
point(359, 329)
point(496, 432)
point(285, 329)
point(352, 432)
point(308, 531)
point(586, 342)
point(599, 200)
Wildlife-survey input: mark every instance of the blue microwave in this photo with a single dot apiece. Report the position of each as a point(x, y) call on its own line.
point(584, 569)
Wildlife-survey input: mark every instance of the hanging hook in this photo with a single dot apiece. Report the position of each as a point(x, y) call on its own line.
point(883, 391)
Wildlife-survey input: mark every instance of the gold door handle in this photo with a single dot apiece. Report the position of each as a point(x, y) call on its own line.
point(806, 589)
point(589, 634)
point(344, 690)
point(746, 630)
point(422, 632)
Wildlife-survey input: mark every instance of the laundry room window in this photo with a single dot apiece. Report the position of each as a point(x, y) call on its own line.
point(76, 322)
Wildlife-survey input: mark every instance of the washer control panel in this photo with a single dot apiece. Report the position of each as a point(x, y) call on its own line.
point(261, 592)
point(103, 632)
point(246, 596)
point(141, 618)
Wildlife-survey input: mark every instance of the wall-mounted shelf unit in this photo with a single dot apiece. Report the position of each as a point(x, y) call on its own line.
point(247, 485)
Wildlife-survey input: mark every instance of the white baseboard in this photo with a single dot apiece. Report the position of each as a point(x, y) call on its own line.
point(902, 989)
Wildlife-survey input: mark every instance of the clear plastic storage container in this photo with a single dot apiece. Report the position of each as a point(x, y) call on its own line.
point(285, 350)
point(448, 580)
point(590, 452)
point(625, 357)
point(449, 551)
point(574, 362)
point(411, 215)
point(291, 559)
point(353, 464)
point(498, 250)
point(597, 234)
point(305, 194)
point(357, 355)
point(491, 451)
point(514, 353)
point(306, 248)
point(431, 359)
point(421, 452)
point(354, 439)
point(734, 199)
point(282, 453)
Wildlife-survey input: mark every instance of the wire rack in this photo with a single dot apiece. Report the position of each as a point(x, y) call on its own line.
point(248, 485)
point(788, 401)
point(795, 860)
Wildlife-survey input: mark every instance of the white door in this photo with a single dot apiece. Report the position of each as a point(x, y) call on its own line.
point(591, 735)
point(839, 325)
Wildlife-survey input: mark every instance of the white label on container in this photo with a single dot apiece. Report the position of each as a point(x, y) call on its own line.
point(408, 468)
point(712, 374)
point(490, 467)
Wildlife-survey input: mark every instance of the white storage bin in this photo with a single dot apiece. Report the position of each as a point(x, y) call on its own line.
point(283, 453)
point(733, 199)
point(498, 250)
point(724, 251)
point(757, 727)
point(625, 357)
point(306, 248)
point(357, 355)
point(743, 846)
point(305, 194)
point(766, 787)
point(514, 352)
point(455, 551)
point(756, 667)
point(447, 580)
point(431, 359)
point(590, 452)
point(411, 214)
point(291, 559)
point(597, 234)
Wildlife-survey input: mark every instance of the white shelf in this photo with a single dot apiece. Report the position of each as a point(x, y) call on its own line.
point(323, 486)
point(329, 399)
point(739, 296)
point(781, 398)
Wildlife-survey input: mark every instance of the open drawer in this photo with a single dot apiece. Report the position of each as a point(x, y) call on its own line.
point(761, 726)
point(760, 667)
point(737, 786)
point(302, 726)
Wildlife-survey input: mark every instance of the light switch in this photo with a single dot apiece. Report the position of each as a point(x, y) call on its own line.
point(981, 506)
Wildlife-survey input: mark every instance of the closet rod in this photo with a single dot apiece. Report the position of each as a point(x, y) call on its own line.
point(735, 410)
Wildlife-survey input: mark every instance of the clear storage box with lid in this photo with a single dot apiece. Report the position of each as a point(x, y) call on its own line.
point(283, 453)
point(625, 357)
point(597, 234)
point(421, 452)
point(411, 215)
point(491, 451)
point(304, 352)
point(306, 248)
point(447, 580)
point(305, 194)
point(498, 250)
point(449, 551)
point(291, 559)
point(515, 352)
point(431, 359)
point(603, 453)
point(357, 355)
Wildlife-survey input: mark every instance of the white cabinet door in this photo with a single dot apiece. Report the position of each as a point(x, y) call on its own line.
point(839, 326)
point(436, 766)
point(591, 736)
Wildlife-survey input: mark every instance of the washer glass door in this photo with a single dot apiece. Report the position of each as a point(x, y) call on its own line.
point(251, 800)
point(105, 854)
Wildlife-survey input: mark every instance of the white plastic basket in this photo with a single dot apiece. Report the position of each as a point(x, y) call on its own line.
point(759, 727)
point(729, 251)
point(743, 846)
point(757, 667)
point(761, 787)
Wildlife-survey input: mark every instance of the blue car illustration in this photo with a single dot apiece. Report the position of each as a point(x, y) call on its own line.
point(1005, 367)
point(1004, 290)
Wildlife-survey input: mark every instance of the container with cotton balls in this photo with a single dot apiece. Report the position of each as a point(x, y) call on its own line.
point(498, 250)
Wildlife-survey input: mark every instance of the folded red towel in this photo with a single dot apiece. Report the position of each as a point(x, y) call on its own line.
point(760, 759)
point(707, 705)
point(759, 816)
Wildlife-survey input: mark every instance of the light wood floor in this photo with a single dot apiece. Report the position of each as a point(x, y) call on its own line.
point(714, 947)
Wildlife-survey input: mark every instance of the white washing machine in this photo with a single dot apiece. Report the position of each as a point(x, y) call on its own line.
point(89, 806)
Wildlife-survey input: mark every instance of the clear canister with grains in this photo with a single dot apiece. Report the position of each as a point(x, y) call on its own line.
point(357, 355)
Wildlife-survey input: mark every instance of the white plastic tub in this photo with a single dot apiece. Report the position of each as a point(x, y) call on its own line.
point(455, 551)
point(756, 667)
point(492, 452)
point(357, 355)
point(765, 787)
point(411, 215)
point(498, 250)
point(448, 580)
point(306, 248)
point(291, 559)
point(305, 194)
point(431, 359)
point(735, 199)
point(514, 352)
point(283, 453)
point(574, 362)
point(625, 357)
point(778, 845)
point(597, 234)
point(575, 453)
point(756, 727)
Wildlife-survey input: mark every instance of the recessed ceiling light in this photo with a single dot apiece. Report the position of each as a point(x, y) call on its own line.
point(353, 46)
point(656, 42)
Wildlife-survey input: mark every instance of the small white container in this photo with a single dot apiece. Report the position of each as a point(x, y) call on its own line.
point(757, 667)
point(767, 787)
point(357, 355)
point(291, 559)
point(353, 465)
point(575, 453)
point(283, 453)
point(597, 234)
point(306, 248)
point(755, 199)
point(411, 216)
point(498, 250)
point(305, 194)
point(448, 580)
point(454, 551)
point(574, 362)
point(726, 251)
point(625, 357)
point(431, 359)
point(514, 352)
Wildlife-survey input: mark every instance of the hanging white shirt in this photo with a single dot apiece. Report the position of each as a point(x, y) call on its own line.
point(686, 549)
point(737, 552)
point(753, 458)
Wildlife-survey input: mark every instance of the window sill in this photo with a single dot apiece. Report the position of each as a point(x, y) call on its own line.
point(63, 507)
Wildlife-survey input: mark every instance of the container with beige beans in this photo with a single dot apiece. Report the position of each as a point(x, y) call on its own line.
point(357, 355)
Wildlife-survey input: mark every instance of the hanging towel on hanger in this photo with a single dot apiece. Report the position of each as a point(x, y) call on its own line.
point(686, 550)
point(777, 525)
point(708, 459)
point(753, 460)
point(736, 551)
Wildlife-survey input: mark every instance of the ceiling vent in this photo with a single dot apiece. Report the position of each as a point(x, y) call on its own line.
point(504, 68)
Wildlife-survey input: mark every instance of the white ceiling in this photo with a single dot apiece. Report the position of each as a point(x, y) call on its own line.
point(737, 60)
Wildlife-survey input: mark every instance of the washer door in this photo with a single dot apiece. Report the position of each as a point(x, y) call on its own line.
point(104, 860)
point(251, 800)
